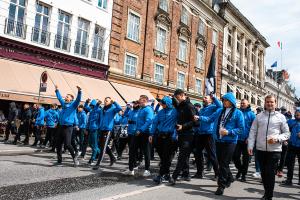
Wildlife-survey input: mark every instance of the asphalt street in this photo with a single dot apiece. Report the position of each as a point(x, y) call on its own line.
point(34, 177)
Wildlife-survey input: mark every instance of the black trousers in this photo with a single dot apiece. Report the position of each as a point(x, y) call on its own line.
point(50, 135)
point(139, 142)
point(282, 157)
point(10, 128)
point(291, 156)
point(64, 136)
point(185, 144)
point(121, 145)
point(165, 151)
point(224, 154)
point(206, 142)
point(102, 139)
point(241, 149)
point(84, 140)
point(74, 140)
point(268, 165)
point(38, 135)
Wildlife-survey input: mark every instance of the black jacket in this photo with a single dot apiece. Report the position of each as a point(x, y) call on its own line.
point(13, 112)
point(186, 112)
point(26, 115)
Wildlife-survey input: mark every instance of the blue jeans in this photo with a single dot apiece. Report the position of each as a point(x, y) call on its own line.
point(93, 140)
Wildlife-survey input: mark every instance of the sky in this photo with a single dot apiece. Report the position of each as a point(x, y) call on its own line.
point(277, 20)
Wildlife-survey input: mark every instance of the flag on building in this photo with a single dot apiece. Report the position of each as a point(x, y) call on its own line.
point(210, 80)
point(274, 64)
point(279, 44)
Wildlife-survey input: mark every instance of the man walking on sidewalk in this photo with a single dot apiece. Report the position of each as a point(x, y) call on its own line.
point(66, 123)
point(268, 130)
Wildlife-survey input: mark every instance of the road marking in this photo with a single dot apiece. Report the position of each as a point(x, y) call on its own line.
point(133, 193)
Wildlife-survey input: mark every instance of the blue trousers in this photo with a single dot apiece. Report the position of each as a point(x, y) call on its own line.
point(93, 141)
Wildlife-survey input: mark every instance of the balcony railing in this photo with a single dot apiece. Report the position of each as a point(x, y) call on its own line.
point(40, 36)
point(98, 54)
point(81, 49)
point(62, 43)
point(15, 28)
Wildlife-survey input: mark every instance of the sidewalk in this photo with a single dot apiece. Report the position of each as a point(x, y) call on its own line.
point(10, 149)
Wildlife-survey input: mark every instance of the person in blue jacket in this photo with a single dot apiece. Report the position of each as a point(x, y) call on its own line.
point(51, 119)
point(66, 123)
point(242, 146)
point(228, 125)
point(204, 138)
point(109, 111)
point(93, 126)
point(143, 136)
point(131, 113)
point(293, 148)
point(164, 127)
point(39, 125)
point(81, 134)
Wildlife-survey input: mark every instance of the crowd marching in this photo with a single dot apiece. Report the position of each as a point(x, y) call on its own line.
point(216, 133)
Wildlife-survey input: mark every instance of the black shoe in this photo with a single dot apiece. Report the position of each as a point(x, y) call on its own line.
point(166, 177)
point(209, 168)
point(187, 178)
point(287, 182)
point(157, 179)
point(198, 176)
point(238, 175)
point(172, 181)
point(96, 167)
point(243, 179)
point(14, 143)
point(228, 184)
point(220, 191)
point(112, 161)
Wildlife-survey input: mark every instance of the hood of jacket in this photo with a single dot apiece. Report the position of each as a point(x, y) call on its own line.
point(167, 101)
point(93, 102)
point(230, 97)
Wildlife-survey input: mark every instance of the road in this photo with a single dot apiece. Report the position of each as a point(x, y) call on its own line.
point(34, 177)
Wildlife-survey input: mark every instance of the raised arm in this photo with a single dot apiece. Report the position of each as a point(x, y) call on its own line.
point(59, 97)
point(76, 103)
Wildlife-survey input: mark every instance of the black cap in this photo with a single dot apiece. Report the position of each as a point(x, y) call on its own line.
point(178, 92)
point(197, 105)
point(259, 109)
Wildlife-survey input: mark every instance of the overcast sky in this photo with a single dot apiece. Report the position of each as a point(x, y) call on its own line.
point(277, 20)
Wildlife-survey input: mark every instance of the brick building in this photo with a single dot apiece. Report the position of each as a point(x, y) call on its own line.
point(161, 45)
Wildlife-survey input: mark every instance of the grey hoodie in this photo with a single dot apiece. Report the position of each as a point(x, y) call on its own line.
point(265, 124)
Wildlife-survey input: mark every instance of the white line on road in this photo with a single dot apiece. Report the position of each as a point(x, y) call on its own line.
point(133, 193)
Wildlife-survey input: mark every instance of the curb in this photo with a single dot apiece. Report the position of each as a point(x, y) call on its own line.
point(11, 152)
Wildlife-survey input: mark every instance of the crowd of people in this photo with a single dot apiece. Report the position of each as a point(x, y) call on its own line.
point(217, 133)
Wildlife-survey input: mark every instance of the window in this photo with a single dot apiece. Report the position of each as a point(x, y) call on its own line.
point(228, 88)
point(15, 23)
point(184, 16)
point(159, 73)
point(40, 32)
point(246, 96)
point(163, 4)
point(130, 65)
point(98, 52)
point(198, 88)
point(238, 47)
point(180, 80)
point(201, 28)
point(161, 37)
point(81, 46)
point(62, 38)
point(133, 30)
point(199, 58)
point(215, 37)
point(102, 4)
point(253, 100)
point(238, 94)
point(182, 50)
point(229, 40)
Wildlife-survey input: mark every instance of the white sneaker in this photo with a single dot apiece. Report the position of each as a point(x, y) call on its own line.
point(146, 173)
point(128, 172)
point(136, 168)
point(256, 175)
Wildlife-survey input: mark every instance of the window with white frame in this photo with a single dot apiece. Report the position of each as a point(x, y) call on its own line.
point(40, 32)
point(215, 37)
point(184, 16)
point(102, 4)
point(159, 73)
point(198, 86)
point(199, 58)
point(161, 37)
point(62, 38)
point(16, 18)
point(201, 28)
point(182, 50)
point(163, 4)
point(229, 39)
point(180, 80)
point(81, 43)
point(130, 65)
point(97, 51)
point(133, 29)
